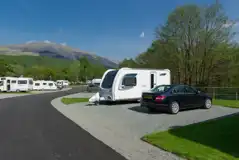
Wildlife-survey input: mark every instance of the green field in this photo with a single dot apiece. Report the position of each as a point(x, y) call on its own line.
point(211, 140)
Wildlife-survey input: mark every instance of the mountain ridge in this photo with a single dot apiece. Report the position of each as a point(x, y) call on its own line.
point(55, 50)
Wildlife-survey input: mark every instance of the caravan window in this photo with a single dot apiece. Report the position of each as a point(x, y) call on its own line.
point(1, 83)
point(162, 74)
point(13, 81)
point(50, 84)
point(37, 84)
point(22, 82)
point(44, 84)
point(3, 78)
point(129, 80)
point(109, 79)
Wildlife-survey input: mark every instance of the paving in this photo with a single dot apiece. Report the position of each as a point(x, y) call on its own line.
point(122, 126)
point(31, 129)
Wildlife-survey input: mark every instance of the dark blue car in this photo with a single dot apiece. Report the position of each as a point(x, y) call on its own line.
point(174, 98)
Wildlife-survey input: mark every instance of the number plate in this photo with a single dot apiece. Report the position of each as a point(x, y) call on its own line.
point(147, 97)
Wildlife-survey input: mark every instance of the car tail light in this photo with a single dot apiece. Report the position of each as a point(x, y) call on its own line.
point(160, 98)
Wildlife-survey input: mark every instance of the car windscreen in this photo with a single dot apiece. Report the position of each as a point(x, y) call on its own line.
point(161, 88)
point(109, 79)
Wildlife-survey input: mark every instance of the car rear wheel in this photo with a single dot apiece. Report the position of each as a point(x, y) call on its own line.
point(174, 107)
point(207, 104)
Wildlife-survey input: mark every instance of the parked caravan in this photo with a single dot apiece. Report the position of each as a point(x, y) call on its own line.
point(14, 84)
point(62, 83)
point(1, 86)
point(129, 83)
point(38, 85)
point(49, 85)
point(96, 82)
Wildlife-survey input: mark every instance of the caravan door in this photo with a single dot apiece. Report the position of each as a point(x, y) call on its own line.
point(128, 87)
point(153, 79)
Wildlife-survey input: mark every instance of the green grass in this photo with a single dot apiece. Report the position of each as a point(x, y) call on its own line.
point(226, 103)
point(211, 140)
point(74, 100)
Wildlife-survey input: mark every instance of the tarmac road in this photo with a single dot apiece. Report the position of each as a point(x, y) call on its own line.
point(31, 129)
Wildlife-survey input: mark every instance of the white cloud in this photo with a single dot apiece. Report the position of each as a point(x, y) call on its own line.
point(231, 24)
point(32, 41)
point(63, 44)
point(47, 41)
point(142, 35)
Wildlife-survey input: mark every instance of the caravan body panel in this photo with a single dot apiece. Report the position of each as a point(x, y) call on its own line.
point(129, 83)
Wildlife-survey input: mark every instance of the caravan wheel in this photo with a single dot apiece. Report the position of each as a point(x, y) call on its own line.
point(17, 90)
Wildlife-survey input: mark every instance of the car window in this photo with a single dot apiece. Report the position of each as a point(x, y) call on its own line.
point(179, 90)
point(189, 90)
point(161, 88)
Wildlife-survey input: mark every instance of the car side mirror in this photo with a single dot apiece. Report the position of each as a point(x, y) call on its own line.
point(198, 92)
point(122, 86)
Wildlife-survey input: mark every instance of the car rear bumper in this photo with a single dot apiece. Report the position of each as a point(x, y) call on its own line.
point(154, 105)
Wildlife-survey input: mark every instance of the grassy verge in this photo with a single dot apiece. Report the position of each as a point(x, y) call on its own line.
point(226, 103)
point(211, 140)
point(74, 100)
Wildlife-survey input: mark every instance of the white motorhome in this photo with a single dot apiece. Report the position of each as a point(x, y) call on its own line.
point(14, 84)
point(129, 83)
point(24, 84)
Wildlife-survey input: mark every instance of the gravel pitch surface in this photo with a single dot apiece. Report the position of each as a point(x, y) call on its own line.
point(122, 126)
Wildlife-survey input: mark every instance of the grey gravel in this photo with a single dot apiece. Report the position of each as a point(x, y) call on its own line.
point(122, 126)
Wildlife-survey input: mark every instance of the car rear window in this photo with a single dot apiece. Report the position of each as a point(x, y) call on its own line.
point(161, 88)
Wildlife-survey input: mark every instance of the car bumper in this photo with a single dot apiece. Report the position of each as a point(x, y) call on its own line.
point(154, 105)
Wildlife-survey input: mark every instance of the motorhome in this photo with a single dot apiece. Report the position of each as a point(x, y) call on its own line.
point(25, 82)
point(14, 84)
point(129, 83)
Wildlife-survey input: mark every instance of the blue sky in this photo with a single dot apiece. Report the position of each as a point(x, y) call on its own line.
point(106, 27)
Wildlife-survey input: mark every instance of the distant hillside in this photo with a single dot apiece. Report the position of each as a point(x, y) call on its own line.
point(55, 51)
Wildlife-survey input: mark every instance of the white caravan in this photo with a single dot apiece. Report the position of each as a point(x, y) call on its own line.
point(44, 85)
point(63, 83)
point(38, 85)
point(1, 85)
point(14, 84)
point(129, 83)
point(50, 85)
point(96, 82)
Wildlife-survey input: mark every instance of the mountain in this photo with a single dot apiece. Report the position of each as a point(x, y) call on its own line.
point(54, 50)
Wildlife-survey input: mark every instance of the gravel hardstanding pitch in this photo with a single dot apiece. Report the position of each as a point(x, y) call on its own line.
point(122, 126)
